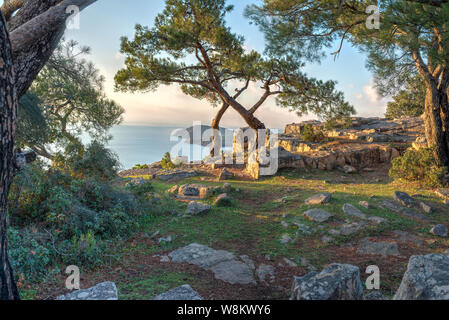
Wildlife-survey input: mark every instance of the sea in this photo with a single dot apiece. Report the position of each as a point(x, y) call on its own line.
point(147, 144)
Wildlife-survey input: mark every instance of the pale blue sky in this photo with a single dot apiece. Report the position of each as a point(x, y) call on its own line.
point(103, 23)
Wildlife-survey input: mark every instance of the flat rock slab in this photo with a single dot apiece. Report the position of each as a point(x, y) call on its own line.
point(378, 248)
point(405, 237)
point(319, 199)
point(102, 291)
point(195, 208)
point(318, 215)
point(184, 292)
point(411, 213)
point(350, 210)
point(426, 278)
point(223, 264)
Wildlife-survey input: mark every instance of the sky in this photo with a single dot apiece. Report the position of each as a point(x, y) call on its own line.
point(103, 23)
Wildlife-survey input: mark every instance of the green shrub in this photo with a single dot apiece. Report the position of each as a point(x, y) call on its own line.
point(312, 134)
point(30, 259)
point(166, 162)
point(140, 166)
point(419, 166)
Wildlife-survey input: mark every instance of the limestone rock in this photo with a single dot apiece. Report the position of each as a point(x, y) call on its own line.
point(319, 199)
point(427, 208)
point(184, 292)
point(225, 175)
point(439, 230)
point(350, 210)
point(173, 190)
point(378, 248)
point(337, 282)
point(365, 204)
point(318, 215)
point(426, 278)
point(265, 273)
point(102, 291)
point(404, 199)
point(223, 264)
point(196, 207)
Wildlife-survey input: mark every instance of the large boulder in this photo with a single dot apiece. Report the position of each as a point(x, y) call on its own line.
point(184, 293)
point(102, 291)
point(426, 278)
point(337, 282)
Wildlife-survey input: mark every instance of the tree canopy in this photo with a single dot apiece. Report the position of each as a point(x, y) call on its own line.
point(408, 102)
point(411, 38)
point(65, 100)
point(191, 45)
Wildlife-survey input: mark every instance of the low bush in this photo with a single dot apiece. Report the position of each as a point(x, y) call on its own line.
point(166, 162)
point(312, 134)
point(418, 166)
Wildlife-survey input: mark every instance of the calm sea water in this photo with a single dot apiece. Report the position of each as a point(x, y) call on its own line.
point(148, 144)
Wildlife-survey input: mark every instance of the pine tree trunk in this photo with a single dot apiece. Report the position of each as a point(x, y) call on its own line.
point(437, 121)
point(216, 126)
point(8, 112)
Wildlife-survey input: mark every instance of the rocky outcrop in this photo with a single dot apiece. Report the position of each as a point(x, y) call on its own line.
point(185, 293)
point(337, 282)
point(102, 291)
point(426, 278)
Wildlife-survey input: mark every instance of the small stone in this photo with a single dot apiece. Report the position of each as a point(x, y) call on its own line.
point(227, 187)
point(439, 230)
point(290, 263)
point(184, 292)
point(365, 204)
point(318, 215)
point(350, 210)
point(195, 208)
point(285, 239)
point(349, 169)
point(167, 239)
point(427, 208)
point(326, 239)
point(319, 199)
point(404, 199)
point(165, 259)
point(284, 224)
point(376, 219)
point(265, 273)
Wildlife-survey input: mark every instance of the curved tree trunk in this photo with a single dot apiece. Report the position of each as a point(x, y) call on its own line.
point(216, 126)
point(8, 112)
